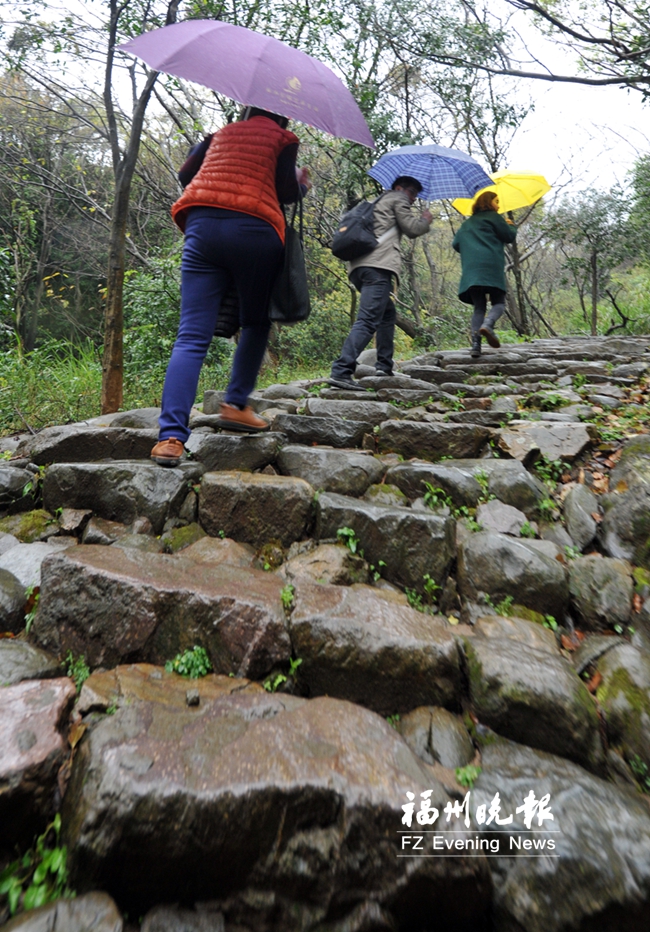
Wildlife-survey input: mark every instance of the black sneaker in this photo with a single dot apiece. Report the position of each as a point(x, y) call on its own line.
point(475, 351)
point(346, 384)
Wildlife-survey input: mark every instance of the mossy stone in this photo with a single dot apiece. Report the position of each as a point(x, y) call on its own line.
point(179, 538)
point(30, 526)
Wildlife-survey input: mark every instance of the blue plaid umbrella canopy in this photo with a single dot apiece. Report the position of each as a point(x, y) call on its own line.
point(442, 172)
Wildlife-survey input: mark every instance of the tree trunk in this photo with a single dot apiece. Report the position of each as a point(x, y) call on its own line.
point(594, 293)
point(519, 287)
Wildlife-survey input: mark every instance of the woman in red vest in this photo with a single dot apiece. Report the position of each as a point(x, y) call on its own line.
point(234, 233)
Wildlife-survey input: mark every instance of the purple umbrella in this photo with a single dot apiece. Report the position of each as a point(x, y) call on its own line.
point(255, 70)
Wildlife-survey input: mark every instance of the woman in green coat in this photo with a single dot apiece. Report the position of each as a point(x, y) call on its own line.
point(480, 241)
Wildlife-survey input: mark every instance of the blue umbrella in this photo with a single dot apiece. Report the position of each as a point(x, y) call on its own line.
point(442, 172)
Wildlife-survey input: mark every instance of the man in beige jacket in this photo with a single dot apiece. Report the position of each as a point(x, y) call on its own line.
point(372, 275)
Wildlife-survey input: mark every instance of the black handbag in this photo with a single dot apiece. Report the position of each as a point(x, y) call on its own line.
point(228, 317)
point(289, 302)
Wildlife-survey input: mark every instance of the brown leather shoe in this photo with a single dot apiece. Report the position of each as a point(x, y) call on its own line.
point(168, 452)
point(232, 418)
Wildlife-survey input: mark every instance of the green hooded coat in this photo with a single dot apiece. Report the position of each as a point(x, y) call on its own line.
point(480, 242)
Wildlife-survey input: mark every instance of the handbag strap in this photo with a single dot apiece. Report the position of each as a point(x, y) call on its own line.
point(297, 209)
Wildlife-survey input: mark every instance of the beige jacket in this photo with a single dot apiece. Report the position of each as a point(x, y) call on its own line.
point(393, 209)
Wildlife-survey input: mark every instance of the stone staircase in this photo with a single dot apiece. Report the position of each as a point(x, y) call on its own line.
point(439, 586)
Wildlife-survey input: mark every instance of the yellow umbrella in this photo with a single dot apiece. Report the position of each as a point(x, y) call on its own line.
point(515, 189)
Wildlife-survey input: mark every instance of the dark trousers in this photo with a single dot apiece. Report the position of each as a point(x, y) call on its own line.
point(376, 315)
point(479, 295)
point(221, 247)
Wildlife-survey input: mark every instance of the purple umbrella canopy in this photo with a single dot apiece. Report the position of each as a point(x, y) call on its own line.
point(257, 71)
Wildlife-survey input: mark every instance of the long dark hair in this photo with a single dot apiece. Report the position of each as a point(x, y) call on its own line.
point(484, 202)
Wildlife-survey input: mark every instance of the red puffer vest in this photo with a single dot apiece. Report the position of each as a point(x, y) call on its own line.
point(238, 173)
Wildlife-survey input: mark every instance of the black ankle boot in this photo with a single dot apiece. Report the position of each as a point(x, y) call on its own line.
point(475, 351)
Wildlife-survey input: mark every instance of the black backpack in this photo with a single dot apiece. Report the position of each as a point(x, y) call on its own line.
point(355, 237)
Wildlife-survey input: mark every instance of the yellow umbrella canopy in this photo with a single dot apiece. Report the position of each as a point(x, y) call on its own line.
point(515, 189)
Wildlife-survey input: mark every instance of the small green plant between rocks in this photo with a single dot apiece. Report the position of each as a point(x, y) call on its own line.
point(273, 683)
point(467, 776)
point(526, 530)
point(393, 720)
point(423, 603)
point(348, 537)
point(435, 497)
point(40, 875)
point(32, 598)
point(550, 622)
point(287, 594)
point(503, 608)
point(77, 669)
point(192, 663)
point(640, 770)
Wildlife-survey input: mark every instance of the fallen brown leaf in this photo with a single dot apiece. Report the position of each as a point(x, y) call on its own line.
point(601, 485)
point(595, 682)
point(76, 733)
point(597, 518)
point(637, 602)
point(570, 641)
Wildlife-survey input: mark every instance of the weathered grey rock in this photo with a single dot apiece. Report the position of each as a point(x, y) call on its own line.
point(432, 374)
point(331, 470)
point(78, 444)
point(16, 489)
point(507, 480)
point(174, 919)
point(7, 541)
point(357, 643)
point(579, 506)
point(601, 591)
point(115, 605)
point(212, 551)
point(327, 563)
point(410, 543)
point(254, 508)
point(533, 697)
point(140, 542)
point(431, 441)
point(228, 451)
point(516, 629)
point(373, 411)
point(137, 419)
point(333, 797)
point(554, 441)
point(12, 603)
point(504, 566)
point(74, 520)
point(93, 912)
point(597, 875)
point(504, 519)
point(326, 431)
point(290, 390)
point(120, 491)
point(33, 716)
point(102, 531)
point(22, 661)
point(413, 395)
point(626, 523)
point(31, 526)
point(24, 562)
point(437, 736)
point(557, 534)
point(387, 495)
point(624, 695)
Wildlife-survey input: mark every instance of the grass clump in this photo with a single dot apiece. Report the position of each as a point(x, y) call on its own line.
point(40, 875)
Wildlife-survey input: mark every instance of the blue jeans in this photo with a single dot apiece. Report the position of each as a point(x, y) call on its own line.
point(220, 247)
point(376, 315)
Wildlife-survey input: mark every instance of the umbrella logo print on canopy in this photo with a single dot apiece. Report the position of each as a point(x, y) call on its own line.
point(294, 84)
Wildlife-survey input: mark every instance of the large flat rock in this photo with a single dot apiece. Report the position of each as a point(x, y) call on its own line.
point(355, 410)
point(254, 508)
point(22, 661)
point(269, 806)
point(120, 491)
point(115, 605)
point(410, 543)
point(76, 443)
point(344, 471)
point(327, 431)
point(432, 441)
point(595, 878)
point(524, 570)
point(33, 716)
point(358, 644)
point(227, 451)
point(533, 697)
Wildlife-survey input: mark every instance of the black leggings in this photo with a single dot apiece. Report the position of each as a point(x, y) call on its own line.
point(479, 295)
